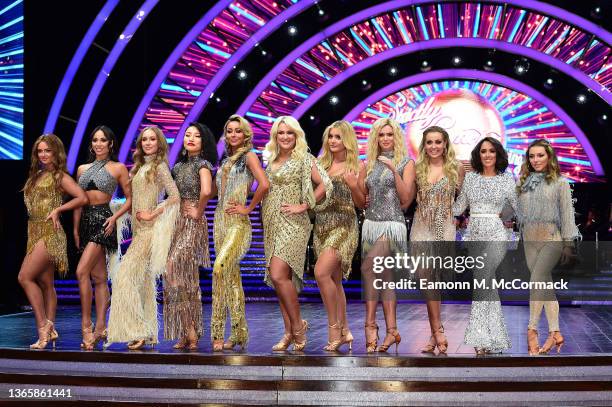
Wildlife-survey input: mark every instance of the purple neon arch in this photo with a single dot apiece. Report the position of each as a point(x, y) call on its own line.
point(495, 78)
point(227, 68)
point(112, 58)
point(442, 43)
point(73, 67)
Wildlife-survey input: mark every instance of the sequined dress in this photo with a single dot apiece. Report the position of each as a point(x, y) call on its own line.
point(232, 235)
point(336, 226)
point(486, 197)
point(40, 201)
point(286, 236)
point(133, 310)
point(188, 251)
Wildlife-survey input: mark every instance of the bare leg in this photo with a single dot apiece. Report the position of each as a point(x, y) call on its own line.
point(324, 269)
point(33, 265)
point(285, 315)
point(341, 302)
point(87, 263)
point(100, 278)
point(280, 274)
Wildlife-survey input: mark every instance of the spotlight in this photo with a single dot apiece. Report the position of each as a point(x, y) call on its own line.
point(549, 83)
point(581, 98)
point(263, 52)
point(425, 67)
point(596, 12)
point(365, 85)
point(521, 66)
point(292, 30)
point(488, 65)
point(603, 119)
point(334, 100)
point(242, 74)
point(218, 99)
point(312, 117)
point(321, 12)
point(364, 82)
point(393, 71)
point(456, 61)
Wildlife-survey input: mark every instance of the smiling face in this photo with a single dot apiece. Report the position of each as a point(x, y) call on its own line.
point(44, 153)
point(334, 141)
point(149, 142)
point(285, 138)
point(100, 145)
point(234, 135)
point(386, 140)
point(538, 158)
point(488, 155)
point(192, 141)
point(434, 144)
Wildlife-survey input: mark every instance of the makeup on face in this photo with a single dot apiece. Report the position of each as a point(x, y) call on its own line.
point(100, 144)
point(434, 144)
point(538, 158)
point(334, 141)
point(149, 142)
point(234, 135)
point(386, 139)
point(192, 142)
point(488, 155)
point(285, 137)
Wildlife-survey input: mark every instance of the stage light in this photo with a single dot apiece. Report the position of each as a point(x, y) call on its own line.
point(364, 82)
point(312, 117)
point(321, 12)
point(604, 117)
point(456, 61)
point(292, 30)
point(393, 71)
point(263, 52)
point(521, 66)
point(596, 13)
point(365, 85)
point(334, 100)
point(488, 65)
point(581, 98)
point(218, 99)
point(242, 74)
point(425, 67)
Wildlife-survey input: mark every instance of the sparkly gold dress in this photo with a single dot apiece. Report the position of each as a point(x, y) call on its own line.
point(336, 226)
point(188, 251)
point(40, 201)
point(286, 236)
point(133, 310)
point(232, 235)
point(433, 217)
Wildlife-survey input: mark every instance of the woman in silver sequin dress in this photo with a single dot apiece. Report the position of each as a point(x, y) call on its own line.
point(486, 191)
point(189, 248)
point(384, 230)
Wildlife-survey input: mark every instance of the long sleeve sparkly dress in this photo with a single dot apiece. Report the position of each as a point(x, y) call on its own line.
point(286, 236)
point(40, 201)
point(547, 222)
point(133, 310)
point(232, 235)
point(486, 236)
point(336, 225)
point(188, 251)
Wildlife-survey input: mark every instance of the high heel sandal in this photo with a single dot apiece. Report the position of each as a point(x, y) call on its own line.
point(299, 337)
point(347, 337)
point(371, 345)
point(396, 340)
point(44, 336)
point(230, 345)
point(533, 347)
point(89, 339)
point(138, 344)
point(180, 344)
point(554, 339)
point(100, 337)
point(480, 351)
point(430, 346)
point(442, 344)
point(333, 345)
point(284, 343)
point(218, 345)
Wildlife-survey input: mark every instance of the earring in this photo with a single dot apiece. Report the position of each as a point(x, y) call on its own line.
point(184, 152)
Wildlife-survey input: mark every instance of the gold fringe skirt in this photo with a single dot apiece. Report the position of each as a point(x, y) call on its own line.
point(54, 241)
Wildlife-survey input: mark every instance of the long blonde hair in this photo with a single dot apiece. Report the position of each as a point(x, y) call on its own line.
point(301, 148)
point(349, 139)
point(247, 144)
point(451, 165)
point(59, 162)
point(553, 171)
point(399, 147)
point(160, 157)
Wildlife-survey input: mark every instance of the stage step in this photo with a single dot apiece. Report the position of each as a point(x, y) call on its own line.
point(291, 379)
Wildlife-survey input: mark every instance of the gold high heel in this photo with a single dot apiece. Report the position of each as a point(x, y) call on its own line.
point(284, 343)
point(396, 340)
point(430, 346)
point(136, 345)
point(100, 337)
point(299, 337)
point(347, 337)
point(554, 339)
point(533, 348)
point(218, 345)
point(442, 344)
point(230, 345)
point(44, 336)
point(89, 338)
point(333, 345)
point(371, 345)
point(480, 351)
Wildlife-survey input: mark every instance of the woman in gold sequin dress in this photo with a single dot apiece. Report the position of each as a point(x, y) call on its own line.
point(189, 248)
point(336, 231)
point(232, 231)
point(47, 181)
point(291, 171)
point(437, 177)
point(133, 310)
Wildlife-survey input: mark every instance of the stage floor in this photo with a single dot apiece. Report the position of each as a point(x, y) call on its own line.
point(587, 329)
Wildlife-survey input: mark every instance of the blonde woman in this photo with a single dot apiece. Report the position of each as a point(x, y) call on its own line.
point(384, 229)
point(336, 231)
point(547, 221)
point(292, 172)
point(232, 231)
point(47, 181)
point(436, 178)
point(133, 311)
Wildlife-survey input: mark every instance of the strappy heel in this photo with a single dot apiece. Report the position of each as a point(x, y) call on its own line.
point(333, 345)
point(230, 345)
point(533, 347)
point(554, 339)
point(371, 345)
point(430, 346)
point(284, 343)
point(89, 339)
point(396, 340)
point(441, 342)
point(347, 337)
point(45, 336)
point(217, 345)
point(299, 337)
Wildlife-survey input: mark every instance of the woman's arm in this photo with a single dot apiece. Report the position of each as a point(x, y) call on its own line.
point(123, 179)
point(263, 185)
point(352, 179)
point(461, 203)
point(79, 198)
point(76, 215)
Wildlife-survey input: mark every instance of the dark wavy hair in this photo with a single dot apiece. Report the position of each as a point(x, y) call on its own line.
point(110, 136)
point(209, 146)
point(501, 156)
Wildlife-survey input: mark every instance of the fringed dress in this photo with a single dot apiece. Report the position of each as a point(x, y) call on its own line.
point(188, 251)
point(40, 201)
point(133, 310)
point(232, 240)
